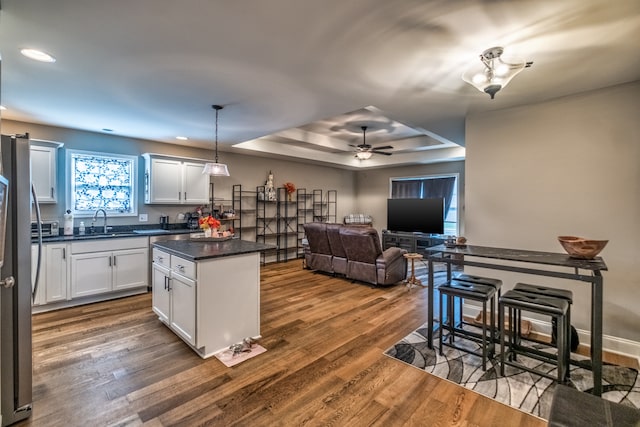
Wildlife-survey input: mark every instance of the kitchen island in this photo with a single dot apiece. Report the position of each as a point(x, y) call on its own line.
point(208, 292)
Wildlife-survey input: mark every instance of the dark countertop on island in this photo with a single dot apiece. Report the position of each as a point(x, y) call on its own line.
point(195, 250)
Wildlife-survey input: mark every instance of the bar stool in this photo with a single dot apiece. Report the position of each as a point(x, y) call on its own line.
point(495, 283)
point(516, 302)
point(453, 289)
point(557, 293)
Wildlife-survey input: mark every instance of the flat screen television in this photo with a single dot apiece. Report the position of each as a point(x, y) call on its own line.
point(416, 215)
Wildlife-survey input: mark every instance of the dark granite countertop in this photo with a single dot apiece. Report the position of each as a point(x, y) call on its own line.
point(196, 250)
point(547, 258)
point(115, 232)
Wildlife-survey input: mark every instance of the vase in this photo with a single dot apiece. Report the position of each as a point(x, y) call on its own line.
point(207, 232)
point(289, 197)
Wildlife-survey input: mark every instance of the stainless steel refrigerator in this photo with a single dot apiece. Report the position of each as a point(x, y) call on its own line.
point(16, 294)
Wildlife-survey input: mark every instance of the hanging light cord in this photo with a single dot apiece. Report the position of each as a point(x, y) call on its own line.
point(217, 108)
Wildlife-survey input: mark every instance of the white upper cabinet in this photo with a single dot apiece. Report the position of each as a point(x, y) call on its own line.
point(174, 180)
point(44, 161)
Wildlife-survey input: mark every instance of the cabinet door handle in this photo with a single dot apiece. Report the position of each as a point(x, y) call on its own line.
point(165, 283)
point(114, 260)
point(64, 253)
point(52, 192)
point(109, 260)
point(169, 284)
point(179, 195)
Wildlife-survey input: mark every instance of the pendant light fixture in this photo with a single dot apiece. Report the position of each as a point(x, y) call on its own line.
point(493, 72)
point(216, 169)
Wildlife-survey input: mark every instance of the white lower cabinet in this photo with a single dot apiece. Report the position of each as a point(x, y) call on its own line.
point(174, 295)
point(161, 296)
point(129, 268)
point(100, 266)
point(183, 305)
point(53, 280)
point(90, 274)
point(56, 272)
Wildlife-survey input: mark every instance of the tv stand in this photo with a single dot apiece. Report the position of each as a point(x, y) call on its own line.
point(412, 242)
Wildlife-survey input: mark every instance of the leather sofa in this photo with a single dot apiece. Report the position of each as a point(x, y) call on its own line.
point(353, 251)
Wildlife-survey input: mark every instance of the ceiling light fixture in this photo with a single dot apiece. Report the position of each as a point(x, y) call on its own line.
point(216, 169)
point(493, 72)
point(37, 55)
point(182, 138)
point(364, 155)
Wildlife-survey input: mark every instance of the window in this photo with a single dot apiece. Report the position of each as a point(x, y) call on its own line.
point(102, 181)
point(425, 187)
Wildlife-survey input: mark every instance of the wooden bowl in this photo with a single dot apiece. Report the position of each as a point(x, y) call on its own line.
point(578, 247)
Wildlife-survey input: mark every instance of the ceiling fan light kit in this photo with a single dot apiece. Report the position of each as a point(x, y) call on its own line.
point(365, 151)
point(364, 155)
point(216, 169)
point(493, 72)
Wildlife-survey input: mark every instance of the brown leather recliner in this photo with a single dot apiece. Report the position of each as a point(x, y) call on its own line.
point(339, 260)
point(354, 251)
point(318, 253)
point(367, 262)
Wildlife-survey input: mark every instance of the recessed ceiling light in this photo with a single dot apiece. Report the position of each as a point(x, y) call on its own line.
point(182, 138)
point(37, 55)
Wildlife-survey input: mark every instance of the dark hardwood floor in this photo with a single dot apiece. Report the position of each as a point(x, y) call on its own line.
point(115, 364)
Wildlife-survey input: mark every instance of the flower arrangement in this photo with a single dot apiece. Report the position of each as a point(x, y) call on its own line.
point(208, 222)
point(289, 187)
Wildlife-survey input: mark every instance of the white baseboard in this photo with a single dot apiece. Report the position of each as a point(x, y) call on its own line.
point(610, 343)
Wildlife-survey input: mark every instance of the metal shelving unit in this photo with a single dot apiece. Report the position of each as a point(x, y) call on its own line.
point(287, 224)
point(325, 205)
point(305, 214)
point(244, 205)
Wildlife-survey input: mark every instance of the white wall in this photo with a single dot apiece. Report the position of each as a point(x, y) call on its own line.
point(570, 166)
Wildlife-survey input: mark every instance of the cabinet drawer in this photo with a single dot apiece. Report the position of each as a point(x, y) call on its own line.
point(183, 267)
point(109, 244)
point(161, 258)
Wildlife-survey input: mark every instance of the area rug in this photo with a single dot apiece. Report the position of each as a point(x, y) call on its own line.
point(227, 357)
point(522, 390)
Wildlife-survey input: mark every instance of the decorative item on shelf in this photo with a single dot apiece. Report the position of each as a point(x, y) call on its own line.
point(455, 242)
point(269, 188)
point(290, 189)
point(581, 248)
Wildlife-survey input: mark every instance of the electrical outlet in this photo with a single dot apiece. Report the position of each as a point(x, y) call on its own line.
point(143, 218)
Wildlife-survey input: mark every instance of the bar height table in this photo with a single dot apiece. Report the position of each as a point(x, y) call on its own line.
point(543, 264)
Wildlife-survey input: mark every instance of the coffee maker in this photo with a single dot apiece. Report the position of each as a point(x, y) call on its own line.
point(164, 222)
point(192, 221)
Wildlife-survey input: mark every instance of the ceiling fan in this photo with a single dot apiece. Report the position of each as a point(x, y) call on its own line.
point(364, 151)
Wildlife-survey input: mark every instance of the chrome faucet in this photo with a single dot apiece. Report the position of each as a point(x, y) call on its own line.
point(95, 218)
